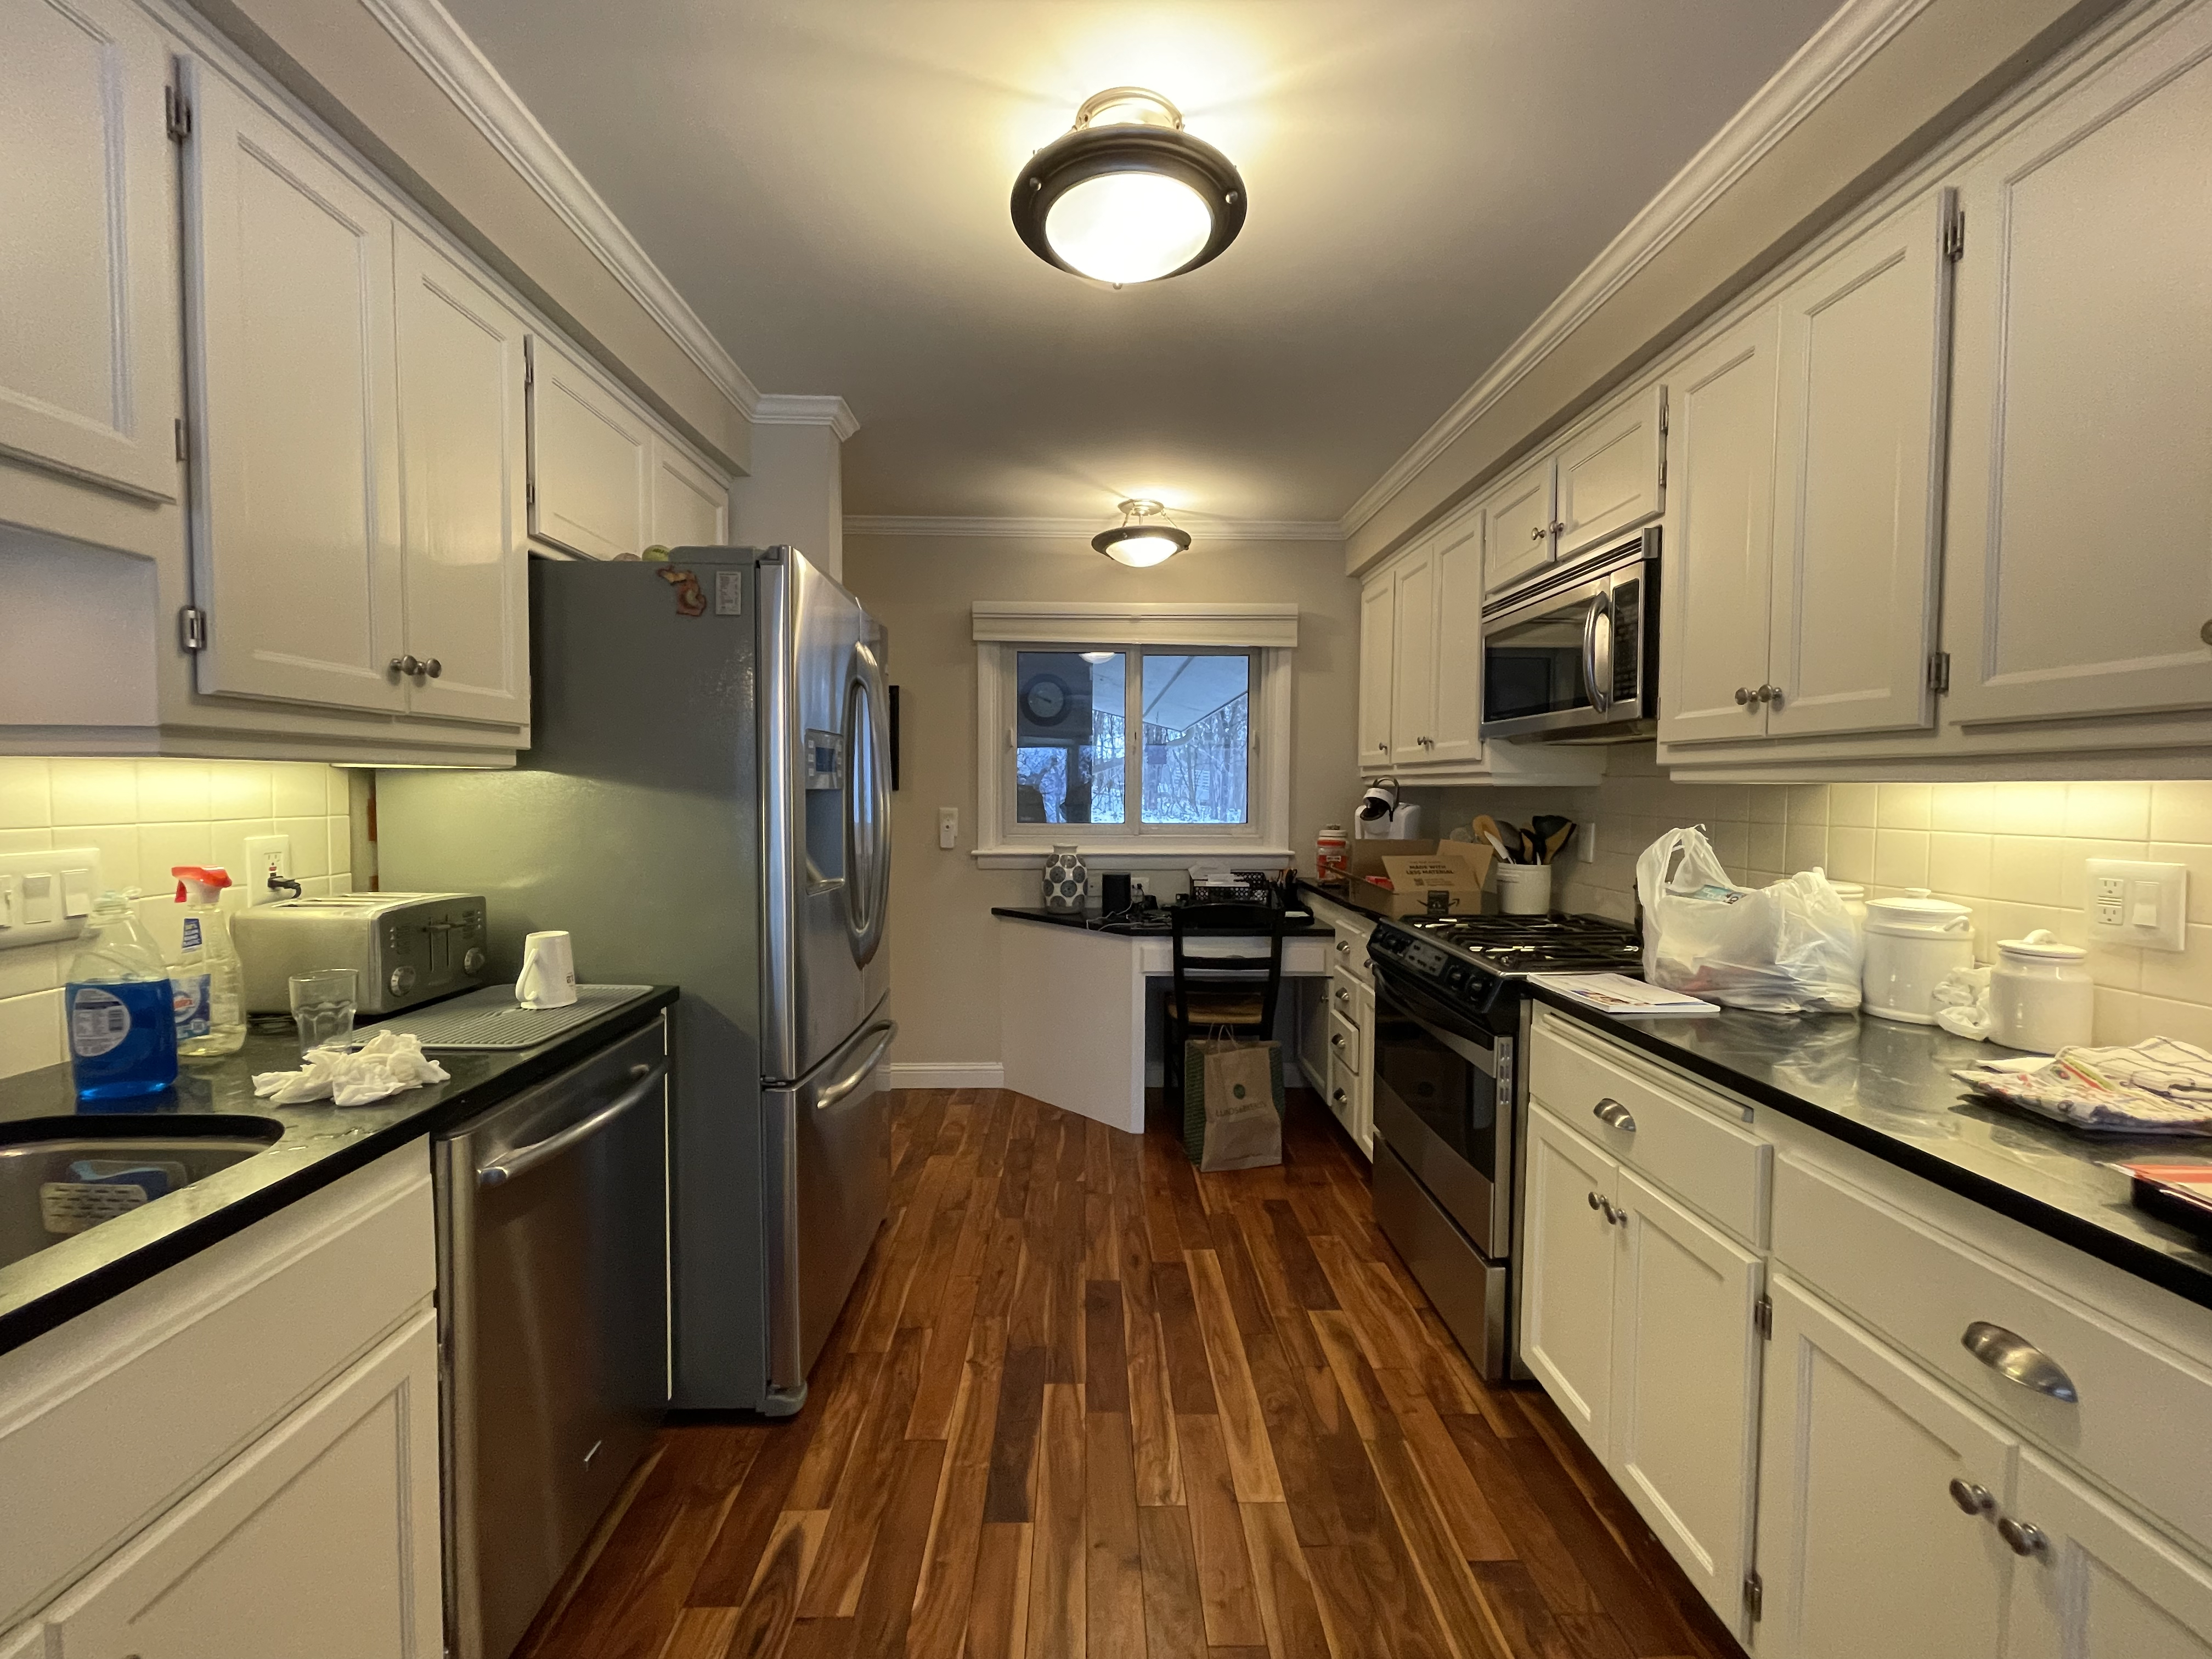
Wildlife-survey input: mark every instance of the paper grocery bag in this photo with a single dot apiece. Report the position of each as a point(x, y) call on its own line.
point(1232, 1103)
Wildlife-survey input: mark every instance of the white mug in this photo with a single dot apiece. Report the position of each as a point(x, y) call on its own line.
point(549, 972)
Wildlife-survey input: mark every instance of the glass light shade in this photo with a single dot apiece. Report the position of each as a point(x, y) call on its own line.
point(1143, 549)
point(1129, 227)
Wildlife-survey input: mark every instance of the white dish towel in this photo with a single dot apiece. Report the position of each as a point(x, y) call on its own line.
point(387, 1063)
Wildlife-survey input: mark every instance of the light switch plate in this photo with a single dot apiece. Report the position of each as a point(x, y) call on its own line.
point(948, 826)
point(2131, 902)
point(265, 856)
point(40, 894)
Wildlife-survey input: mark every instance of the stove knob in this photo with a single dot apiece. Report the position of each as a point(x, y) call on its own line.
point(474, 961)
point(402, 980)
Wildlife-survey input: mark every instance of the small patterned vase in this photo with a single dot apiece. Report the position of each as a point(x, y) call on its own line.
point(1064, 878)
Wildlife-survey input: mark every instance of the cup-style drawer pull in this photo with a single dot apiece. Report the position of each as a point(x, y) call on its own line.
point(1615, 1115)
point(2022, 1537)
point(1971, 1498)
point(2016, 1359)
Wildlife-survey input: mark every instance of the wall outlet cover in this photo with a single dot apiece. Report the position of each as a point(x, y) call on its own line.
point(2133, 903)
point(265, 856)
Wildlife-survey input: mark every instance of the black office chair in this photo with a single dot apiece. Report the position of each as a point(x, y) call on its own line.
point(1233, 995)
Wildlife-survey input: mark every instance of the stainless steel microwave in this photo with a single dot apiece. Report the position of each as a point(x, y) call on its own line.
point(1576, 658)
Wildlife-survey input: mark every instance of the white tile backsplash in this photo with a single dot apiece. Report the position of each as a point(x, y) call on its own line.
point(146, 817)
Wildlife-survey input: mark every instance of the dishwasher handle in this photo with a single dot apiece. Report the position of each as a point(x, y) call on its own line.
point(523, 1159)
point(831, 1093)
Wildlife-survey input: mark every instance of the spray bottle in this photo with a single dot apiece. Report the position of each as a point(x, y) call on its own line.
point(204, 977)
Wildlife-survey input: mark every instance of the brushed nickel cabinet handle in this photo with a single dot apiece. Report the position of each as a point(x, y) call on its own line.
point(1540, 533)
point(1615, 1115)
point(1971, 1498)
point(433, 667)
point(1742, 694)
point(406, 665)
point(2022, 1537)
point(2016, 1359)
point(1336, 1040)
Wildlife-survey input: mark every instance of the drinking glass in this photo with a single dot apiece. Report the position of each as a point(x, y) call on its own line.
point(323, 1004)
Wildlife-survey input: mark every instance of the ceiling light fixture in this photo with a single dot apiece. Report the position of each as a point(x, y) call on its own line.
point(1137, 540)
point(1127, 196)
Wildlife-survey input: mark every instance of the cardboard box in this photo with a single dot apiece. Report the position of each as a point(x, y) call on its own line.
point(1427, 877)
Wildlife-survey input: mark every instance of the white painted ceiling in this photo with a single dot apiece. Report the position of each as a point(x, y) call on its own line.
point(826, 181)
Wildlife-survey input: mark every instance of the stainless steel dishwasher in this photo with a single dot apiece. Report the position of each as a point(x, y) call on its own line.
point(553, 1318)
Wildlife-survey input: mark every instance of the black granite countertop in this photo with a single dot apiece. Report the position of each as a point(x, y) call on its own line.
point(315, 1145)
point(1887, 1088)
point(1155, 926)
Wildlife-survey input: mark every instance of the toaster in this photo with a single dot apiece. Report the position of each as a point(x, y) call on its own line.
point(407, 948)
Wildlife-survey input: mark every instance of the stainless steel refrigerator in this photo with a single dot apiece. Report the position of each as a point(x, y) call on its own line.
point(705, 801)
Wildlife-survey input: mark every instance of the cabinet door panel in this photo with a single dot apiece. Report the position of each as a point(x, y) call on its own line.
point(589, 460)
point(461, 476)
point(2081, 536)
point(1378, 614)
point(690, 508)
point(321, 1538)
point(1456, 722)
point(1858, 479)
point(1686, 1388)
point(1860, 1547)
point(2105, 1587)
point(1718, 550)
point(1609, 476)
point(295, 551)
point(1568, 1250)
point(1413, 662)
point(1518, 515)
point(88, 356)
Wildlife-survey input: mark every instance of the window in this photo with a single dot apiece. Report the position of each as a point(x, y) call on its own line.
point(1134, 751)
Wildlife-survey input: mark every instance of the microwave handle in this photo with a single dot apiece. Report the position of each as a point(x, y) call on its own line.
point(1597, 663)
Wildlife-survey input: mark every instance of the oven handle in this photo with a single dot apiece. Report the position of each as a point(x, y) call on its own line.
point(1426, 1011)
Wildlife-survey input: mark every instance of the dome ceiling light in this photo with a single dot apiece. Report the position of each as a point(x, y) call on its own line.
point(1127, 196)
point(1139, 541)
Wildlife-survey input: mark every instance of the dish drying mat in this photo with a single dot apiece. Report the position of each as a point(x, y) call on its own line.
point(489, 1019)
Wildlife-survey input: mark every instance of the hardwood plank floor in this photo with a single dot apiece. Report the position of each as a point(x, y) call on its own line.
point(1087, 1403)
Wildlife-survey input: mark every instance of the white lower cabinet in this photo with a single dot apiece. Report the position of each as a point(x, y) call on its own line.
point(1570, 1256)
point(2101, 1585)
point(322, 1539)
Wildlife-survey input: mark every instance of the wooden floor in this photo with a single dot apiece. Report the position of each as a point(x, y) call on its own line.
point(1086, 1402)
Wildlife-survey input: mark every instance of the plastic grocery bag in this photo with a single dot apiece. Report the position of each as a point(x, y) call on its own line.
point(1790, 948)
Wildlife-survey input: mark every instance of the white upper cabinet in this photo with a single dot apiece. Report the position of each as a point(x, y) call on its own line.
point(296, 443)
point(2102, 1585)
point(1719, 550)
point(690, 506)
point(88, 354)
point(1378, 613)
point(1858, 481)
point(591, 457)
point(462, 466)
point(1413, 659)
point(1518, 513)
point(1613, 474)
point(1454, 723)
point(2080, 546)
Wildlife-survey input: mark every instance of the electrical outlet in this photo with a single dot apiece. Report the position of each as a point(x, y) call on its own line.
point(265, 856)
point(948, 827)
point(2132, 902)
point(1139, 886)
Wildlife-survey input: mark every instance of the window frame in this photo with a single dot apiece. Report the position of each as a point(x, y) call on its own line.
point(1263, 838)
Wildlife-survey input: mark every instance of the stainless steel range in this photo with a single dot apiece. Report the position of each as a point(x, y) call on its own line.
point(1451, 1025)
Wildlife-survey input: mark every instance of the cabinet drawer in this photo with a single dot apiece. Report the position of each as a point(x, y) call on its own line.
point(1344, 1043)
point(114, 1416)
point(1344, 997)
point(1925, 1289)
point(1347, 954)
point(1718, 1167)
point(1343, 1096)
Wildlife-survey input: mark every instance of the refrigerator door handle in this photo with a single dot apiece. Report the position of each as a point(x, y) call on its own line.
point(831, 1093)
point(867, 806)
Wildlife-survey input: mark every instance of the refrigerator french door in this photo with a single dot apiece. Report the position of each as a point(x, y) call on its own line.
point(705, 802)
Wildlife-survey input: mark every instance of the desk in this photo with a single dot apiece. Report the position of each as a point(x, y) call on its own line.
point(1072, 1005)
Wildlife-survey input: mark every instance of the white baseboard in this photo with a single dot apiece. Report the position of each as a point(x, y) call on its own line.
point(948, 1074)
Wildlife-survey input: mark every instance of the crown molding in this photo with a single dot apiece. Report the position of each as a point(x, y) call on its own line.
point(1858, 30)
point(807, 409)
point(1219, 530)
point(429, 35)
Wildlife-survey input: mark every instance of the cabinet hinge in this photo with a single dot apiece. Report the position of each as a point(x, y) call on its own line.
point(191, 628)
point(529, 367)
point(530, 493)
point(1954, 234)
point(177, 112)
point(1662, 437)
point(1762, 1317)
point(184, 450)
point(1939, 671)
point(1755, 1595)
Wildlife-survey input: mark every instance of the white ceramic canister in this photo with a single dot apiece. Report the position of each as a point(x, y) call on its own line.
point(1523, 890)
point(1912, 942)
point(2041, 995)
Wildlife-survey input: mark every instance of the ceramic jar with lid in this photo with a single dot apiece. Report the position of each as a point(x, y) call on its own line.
point(1912, 942)
point(2041, 995)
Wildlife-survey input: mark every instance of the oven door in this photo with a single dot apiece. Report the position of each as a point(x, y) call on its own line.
point(1574, 656)
point(1443, 1102)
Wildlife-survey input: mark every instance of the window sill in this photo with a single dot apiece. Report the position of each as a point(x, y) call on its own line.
point(1151, 855)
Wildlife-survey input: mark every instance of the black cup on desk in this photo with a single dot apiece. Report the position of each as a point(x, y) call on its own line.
point(1113, 892)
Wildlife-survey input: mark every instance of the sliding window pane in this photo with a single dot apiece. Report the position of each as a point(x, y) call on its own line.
point(1068, 746)
point(1197, 722)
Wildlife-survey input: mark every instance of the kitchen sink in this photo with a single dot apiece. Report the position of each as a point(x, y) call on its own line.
point(44, 1199)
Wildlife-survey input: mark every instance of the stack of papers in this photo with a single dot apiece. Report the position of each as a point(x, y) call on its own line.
point(1622, 997)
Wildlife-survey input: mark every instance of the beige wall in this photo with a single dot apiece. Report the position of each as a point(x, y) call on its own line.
point(945, 960)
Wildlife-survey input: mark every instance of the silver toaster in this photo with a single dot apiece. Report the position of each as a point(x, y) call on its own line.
point(406, 947)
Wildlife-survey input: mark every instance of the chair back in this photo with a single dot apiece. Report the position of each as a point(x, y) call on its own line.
point(1196, 972)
